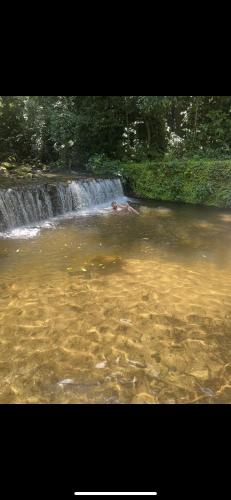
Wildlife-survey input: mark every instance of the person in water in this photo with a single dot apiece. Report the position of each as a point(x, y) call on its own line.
point(116, 206)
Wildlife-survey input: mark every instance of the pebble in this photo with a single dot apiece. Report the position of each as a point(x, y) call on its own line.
point(66, 381)
point(206, 391)
point(101, 365)
point(125, 321)
point(137, 363)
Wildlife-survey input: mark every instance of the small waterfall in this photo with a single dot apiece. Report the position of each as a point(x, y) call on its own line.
point(26, 205)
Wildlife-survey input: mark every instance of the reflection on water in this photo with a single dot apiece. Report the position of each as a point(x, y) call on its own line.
point(114, 308)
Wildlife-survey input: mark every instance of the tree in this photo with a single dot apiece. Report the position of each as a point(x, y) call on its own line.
point(12, 126)
point(67, 130)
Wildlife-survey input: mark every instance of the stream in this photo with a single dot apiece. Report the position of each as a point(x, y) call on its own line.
point(100, 307)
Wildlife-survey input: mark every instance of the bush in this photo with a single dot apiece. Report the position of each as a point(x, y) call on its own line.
point(99, 164)
point(195, 180)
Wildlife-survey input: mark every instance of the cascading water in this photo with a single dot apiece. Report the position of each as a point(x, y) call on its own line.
point(27, 205)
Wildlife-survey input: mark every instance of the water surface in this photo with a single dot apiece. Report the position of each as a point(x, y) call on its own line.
point(116, 308)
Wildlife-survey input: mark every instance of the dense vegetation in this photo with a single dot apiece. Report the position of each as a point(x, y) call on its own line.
point(201, 181)
point(167, 147)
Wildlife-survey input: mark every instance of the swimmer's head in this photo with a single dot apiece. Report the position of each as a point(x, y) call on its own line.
point(114, 205)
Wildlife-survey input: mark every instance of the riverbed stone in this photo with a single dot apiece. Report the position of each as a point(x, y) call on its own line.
point(144, 398)
point(200, 374)
point(3, 171)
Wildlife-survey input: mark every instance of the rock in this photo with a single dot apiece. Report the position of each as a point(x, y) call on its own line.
point(137, 364)
point(101, 365)
point(200, 374)
point(156, 356)
point(25, 169)
point(6, 164)
point(126, 321)
point(3, 171)
point(207, 391)
point(66, 381)
point(55, 200)
point(144, 398)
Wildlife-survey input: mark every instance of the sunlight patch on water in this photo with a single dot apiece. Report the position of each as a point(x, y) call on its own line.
point(225, 217)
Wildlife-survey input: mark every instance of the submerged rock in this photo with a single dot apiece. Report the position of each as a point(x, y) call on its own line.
point(66, 381)
point(101, 365)
point(200, 374)
point(144, 398)
point(207, 391)
point(137, 364)
point(126, 321)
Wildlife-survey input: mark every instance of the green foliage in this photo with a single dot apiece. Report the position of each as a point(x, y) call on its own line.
point(100, 164)
point(13, 137)
point(103, 132)
point(199, 124)
point(199, 181)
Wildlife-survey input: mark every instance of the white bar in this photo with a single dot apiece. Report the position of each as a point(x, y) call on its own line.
point(115, 493)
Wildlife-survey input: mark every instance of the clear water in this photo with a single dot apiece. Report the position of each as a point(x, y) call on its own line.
point(117, 308)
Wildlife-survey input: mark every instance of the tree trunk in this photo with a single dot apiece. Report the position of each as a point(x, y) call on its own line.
point(126, 112)
point(196, 117)
point(127, 122)
point(147, 124)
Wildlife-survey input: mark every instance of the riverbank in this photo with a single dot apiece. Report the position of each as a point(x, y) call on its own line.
point(16, 174)
point(196, 181)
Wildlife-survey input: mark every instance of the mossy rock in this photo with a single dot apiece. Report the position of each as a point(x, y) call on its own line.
point(11, 167)
point(25, 169)
point(3, 171)
point(6, 164)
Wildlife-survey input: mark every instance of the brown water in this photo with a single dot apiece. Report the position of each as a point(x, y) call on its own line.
point(129, 309)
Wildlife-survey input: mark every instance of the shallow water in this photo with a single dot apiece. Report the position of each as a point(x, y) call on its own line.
point(116, 308)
